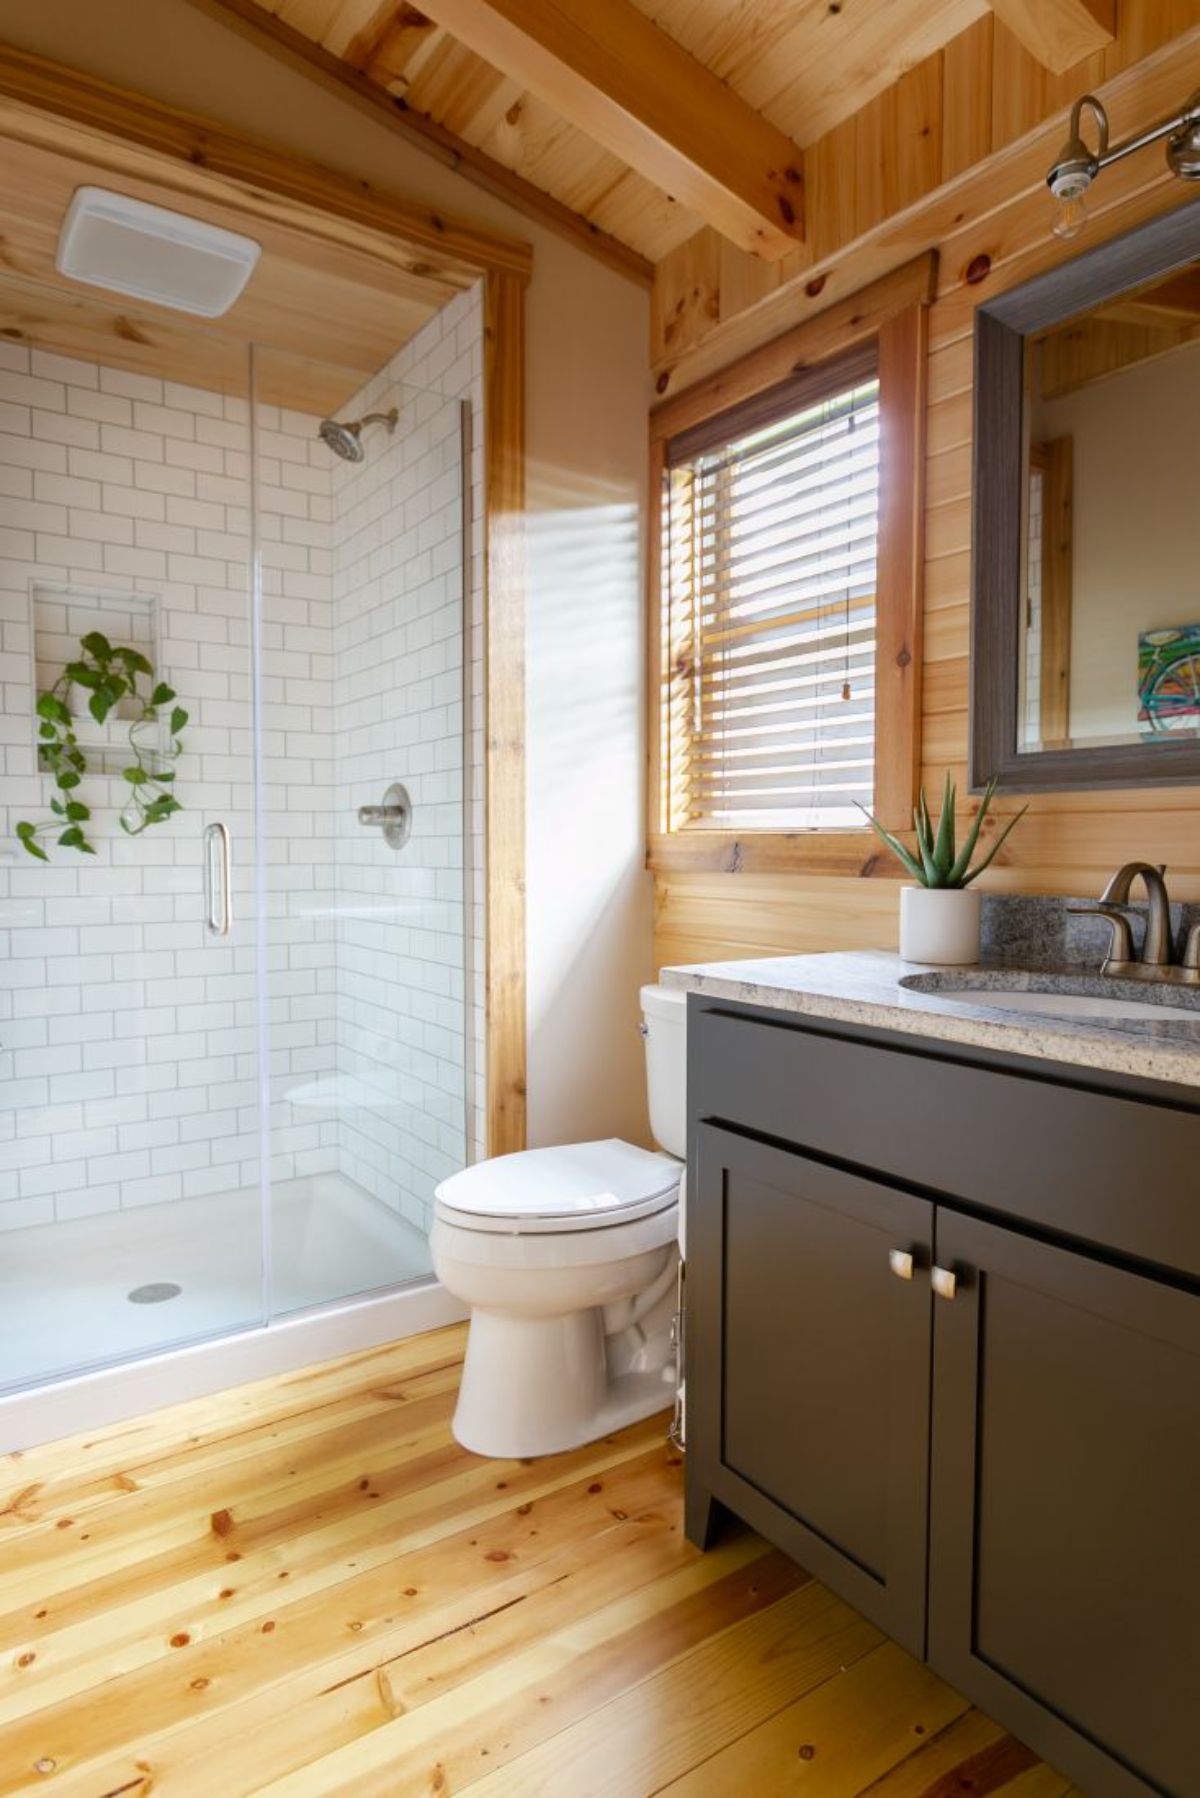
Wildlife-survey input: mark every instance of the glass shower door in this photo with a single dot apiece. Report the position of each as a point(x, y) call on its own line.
point(362, 576)
point(130, 1142)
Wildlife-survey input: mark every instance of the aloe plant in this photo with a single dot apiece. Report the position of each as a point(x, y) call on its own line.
point(939, 862)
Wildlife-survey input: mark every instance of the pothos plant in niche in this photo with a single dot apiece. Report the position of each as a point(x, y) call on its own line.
point(109, 674)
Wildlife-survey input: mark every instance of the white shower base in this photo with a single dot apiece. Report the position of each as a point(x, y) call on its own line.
point(65, 1306)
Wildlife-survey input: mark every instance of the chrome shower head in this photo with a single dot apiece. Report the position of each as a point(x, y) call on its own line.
point(344, 438)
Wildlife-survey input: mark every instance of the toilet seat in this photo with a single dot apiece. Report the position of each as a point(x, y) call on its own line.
point(577, 1187)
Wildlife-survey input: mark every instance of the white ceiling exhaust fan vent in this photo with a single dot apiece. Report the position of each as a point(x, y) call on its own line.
point(128, 246)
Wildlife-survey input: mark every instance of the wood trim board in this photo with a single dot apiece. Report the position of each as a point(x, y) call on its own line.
point(899, 618)
point(1057, 460)
point(504, 710)
point(834, 331)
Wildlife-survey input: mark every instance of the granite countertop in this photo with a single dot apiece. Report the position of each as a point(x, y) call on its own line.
point(863, 987)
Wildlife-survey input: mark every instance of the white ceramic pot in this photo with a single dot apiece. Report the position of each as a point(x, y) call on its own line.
point(939, 925)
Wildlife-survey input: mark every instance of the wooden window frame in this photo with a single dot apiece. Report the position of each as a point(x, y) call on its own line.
point(893, 313)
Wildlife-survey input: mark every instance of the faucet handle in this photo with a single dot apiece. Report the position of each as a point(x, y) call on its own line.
point(1120, 949)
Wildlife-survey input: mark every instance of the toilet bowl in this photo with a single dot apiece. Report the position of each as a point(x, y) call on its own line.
point(567, 1258)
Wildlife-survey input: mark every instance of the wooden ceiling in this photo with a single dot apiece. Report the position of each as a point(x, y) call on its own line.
point(648, 119)
point(322, 318)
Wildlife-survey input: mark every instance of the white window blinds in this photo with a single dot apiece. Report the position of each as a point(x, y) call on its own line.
point(769, 558)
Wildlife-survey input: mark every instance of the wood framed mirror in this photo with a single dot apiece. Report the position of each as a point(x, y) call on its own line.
point(1085, 580)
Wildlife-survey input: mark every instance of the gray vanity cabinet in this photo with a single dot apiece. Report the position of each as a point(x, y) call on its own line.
point(818, 1407)
point(1065, 1517)
point(997, 1459)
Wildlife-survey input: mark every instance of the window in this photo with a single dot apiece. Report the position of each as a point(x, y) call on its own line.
point(787, 519)
point(769, 563)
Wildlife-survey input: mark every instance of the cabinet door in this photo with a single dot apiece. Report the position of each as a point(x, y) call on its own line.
point(809, 1367)
point(1065, 1570)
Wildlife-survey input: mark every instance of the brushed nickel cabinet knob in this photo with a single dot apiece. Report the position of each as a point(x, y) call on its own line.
point(901, 1263)
point(944, 1283)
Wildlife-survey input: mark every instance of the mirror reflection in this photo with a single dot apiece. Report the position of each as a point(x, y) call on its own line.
point(1111, 569)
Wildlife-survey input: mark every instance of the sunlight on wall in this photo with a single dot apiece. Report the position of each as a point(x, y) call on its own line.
point(589, 893)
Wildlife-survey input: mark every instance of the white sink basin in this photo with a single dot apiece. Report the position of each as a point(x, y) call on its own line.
point(1075, 1005)
point(1098, 1006)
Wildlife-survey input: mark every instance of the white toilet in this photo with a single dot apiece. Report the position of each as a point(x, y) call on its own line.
point(568, 1258)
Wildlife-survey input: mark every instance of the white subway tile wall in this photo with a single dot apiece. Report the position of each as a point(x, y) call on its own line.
point(128, 1038)
point(398, 700)
point(127, 1041)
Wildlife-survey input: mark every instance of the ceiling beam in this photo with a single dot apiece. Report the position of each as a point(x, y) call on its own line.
point(602, 65)
point(1059, 33)
point(290, 46)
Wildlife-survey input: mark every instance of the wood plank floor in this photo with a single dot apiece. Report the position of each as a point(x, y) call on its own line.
point(305, 1587)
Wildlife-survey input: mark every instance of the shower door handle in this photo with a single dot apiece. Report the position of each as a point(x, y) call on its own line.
point(218, 896)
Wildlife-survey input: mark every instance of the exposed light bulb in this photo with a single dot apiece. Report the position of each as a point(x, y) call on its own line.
point(1076, 167)
point(1070, 216)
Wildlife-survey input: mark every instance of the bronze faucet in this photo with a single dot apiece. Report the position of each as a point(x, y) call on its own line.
point(1156, 962)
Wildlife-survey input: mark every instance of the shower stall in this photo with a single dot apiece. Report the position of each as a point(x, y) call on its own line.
point(234, 887)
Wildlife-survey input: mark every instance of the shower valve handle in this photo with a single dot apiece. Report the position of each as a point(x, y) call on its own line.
point(393, 817)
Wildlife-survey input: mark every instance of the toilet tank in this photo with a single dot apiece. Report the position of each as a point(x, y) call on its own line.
point(664, 1031)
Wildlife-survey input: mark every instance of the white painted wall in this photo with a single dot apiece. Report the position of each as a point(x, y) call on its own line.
point(589, 899)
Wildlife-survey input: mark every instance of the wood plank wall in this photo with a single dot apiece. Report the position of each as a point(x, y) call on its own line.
point(968, 101)
point(978, 95)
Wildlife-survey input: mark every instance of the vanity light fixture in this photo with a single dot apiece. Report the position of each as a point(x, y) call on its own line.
point(1077, 165)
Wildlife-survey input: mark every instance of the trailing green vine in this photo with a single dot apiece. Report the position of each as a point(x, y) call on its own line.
point(108, 673)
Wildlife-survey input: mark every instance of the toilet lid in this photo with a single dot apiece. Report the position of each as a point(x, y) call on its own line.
point(581, 1186)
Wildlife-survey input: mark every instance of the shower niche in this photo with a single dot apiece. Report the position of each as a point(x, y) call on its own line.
point(61, 617)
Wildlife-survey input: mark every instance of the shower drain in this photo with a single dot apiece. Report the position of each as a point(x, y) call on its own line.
point(154, 1293)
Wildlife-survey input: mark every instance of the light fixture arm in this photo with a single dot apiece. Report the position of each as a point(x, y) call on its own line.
point(1075, 161)
point(1185, 120)
point(1096, 108)
point(1077, 165)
